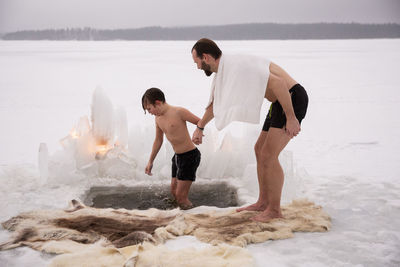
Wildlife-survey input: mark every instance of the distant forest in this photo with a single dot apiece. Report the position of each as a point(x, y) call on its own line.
point(256, 31)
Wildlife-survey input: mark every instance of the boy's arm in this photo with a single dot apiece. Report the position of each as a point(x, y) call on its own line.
point(197, 137)
point(186, 115)
point(156, 147)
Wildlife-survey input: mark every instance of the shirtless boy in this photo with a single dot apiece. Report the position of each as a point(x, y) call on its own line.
point(171, 121)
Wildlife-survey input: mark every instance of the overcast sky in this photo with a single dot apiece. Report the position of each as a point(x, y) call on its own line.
point(111, 14)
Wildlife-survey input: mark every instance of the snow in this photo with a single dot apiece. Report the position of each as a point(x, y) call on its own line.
point(345, 159)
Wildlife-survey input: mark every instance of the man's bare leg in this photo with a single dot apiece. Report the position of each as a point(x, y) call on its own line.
point(262, 201)
point(273, 175)
point(182, 193)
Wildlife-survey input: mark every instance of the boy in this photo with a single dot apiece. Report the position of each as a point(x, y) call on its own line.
point(171, 121)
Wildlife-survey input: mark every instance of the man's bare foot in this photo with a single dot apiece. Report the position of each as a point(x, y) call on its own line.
point(252, 207)
point(266, 216)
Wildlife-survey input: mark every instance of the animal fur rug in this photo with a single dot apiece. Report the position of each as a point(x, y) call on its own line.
point(79, 225)
point(149, 255)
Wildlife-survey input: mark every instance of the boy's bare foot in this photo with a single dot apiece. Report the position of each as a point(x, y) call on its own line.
point(252, 207)
point(170, 202)
point(185, 206)
point(266, 216)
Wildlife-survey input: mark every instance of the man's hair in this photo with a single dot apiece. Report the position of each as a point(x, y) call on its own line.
point(150, 97)
point(207, 46)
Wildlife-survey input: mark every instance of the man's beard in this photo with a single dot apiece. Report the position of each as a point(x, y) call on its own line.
point(207, 72)
point(206, 68)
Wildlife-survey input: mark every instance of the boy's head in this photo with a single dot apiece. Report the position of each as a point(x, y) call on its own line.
point(151, 98)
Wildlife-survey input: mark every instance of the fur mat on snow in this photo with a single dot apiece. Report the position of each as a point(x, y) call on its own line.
point(148, 255)
point(55, 231)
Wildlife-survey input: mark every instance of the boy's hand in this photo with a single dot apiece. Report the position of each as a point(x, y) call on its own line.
point(148, 168)
point(197, 137)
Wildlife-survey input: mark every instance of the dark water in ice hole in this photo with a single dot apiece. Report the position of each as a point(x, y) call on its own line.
point(158, 196)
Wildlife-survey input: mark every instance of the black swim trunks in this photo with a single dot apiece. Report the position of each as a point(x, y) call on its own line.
point(184, 165)
point(276, 116)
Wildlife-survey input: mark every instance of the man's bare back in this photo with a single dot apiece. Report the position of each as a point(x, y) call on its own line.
point(281, 73)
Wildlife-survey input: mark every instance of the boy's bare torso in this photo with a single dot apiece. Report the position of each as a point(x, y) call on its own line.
point(175, 129)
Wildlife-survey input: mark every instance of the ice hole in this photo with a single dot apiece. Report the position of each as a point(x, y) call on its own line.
point(158, 196)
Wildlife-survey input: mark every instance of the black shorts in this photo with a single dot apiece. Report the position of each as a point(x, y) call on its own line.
point(276, 116)
point(184, 165)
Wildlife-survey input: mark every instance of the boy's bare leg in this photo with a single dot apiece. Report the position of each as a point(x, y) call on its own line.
point(174, 185)
point(262, 201)
point(182, 193)
point(272, 176)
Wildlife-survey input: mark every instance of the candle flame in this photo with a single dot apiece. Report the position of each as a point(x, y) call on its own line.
point(74, 134)
point(102, 149)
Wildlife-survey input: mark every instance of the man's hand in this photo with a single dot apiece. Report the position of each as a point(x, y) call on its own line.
point(148, 168)
point(197, 137)
point(292, 127)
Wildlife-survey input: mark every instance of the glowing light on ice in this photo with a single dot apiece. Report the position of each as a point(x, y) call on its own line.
point(91, 144)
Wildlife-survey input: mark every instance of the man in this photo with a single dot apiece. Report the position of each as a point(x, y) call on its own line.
point(239, 87)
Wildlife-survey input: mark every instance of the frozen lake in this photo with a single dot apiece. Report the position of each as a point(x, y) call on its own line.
point(345, 159)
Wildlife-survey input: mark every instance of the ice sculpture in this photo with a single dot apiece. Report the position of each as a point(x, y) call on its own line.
point(102, 120)
point(98, 147)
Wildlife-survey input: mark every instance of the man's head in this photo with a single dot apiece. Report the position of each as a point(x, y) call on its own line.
point(152, 99)
point(205, 53)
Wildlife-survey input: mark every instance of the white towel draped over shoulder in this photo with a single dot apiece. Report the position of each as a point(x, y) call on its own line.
point(238, 89)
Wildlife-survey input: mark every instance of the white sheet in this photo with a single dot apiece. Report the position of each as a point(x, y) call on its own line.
point(238, 89)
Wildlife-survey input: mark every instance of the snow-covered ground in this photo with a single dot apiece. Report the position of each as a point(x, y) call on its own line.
point(346, 158)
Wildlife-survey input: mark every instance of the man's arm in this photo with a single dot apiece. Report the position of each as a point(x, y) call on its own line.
point(197, 137)
point(156, 147)
point(281, 91)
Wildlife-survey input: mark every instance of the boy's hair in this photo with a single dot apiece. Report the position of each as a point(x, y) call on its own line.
point(150, 97)
point(207, 46)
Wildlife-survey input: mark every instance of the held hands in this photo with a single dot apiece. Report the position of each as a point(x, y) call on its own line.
point(148, 168)
point(197, 137)
point(292, 127)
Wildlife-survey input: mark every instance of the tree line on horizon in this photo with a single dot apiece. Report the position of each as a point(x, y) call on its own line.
point(252, 31)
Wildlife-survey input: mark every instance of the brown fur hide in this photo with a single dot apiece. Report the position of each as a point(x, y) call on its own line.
point(237, 229)
point(87, 225)
point(121, 228)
